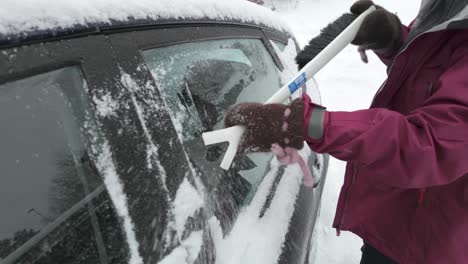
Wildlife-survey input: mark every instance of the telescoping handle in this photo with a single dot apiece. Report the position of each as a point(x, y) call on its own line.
point(233, 135)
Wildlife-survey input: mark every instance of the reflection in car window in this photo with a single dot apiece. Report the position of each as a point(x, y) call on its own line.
point(198, 82)
point(54, 206)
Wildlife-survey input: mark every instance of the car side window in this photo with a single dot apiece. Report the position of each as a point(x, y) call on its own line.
point(54, 206)
point(281, 46)
point(199, 81)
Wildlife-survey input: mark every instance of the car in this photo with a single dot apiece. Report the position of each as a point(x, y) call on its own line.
point(102, 106)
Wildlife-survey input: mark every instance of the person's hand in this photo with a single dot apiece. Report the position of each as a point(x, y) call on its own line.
point(268, 124)
point(273, 127)
point(380, 31)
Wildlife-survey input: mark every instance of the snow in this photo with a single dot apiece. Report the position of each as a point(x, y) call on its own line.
point(186, 253)
point(346, 84)
point(106, 166)
point(177, 256)
point(255, 239)
point(287, 58)
point(152, 155)
point(186, 203)
point(100, 147)
point(20, 16)
point(105, 105)
point(187, 200)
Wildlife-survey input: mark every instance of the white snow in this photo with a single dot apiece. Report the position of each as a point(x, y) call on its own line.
point(105, 105)
point(18, 16)
point(193, 245)
point(177, 256)
point(106, 166)
point(346, 84)
point(186, 203)
point(101, 149)
point(259, 240)
point(186, 253)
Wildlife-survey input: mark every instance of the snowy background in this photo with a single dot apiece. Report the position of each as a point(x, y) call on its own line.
point(346, 84)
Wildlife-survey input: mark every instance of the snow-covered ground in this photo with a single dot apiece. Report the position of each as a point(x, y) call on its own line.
point(346, 84)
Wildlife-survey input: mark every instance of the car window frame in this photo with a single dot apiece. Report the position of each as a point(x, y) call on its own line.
point(151, 39)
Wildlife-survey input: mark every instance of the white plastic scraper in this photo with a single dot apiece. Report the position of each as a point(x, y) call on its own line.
point(233, 135)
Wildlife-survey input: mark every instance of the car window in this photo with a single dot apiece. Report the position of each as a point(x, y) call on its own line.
point(281, 46)
point(55, 208)
point(199, 81)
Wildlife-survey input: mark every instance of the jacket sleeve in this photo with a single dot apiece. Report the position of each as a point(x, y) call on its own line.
point(428, 147)
point(387, 56)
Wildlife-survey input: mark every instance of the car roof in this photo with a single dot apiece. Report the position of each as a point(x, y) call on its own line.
point(23, 20)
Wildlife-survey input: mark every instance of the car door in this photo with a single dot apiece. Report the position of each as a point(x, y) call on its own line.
point(83, 179)
point(199, 72)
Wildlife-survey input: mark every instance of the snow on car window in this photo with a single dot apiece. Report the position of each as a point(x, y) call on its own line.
point(287, 56)
point(198, 82)
point(186, 203)
point(186, 253)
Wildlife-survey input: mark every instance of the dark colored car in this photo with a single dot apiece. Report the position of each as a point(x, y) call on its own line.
point(100, 150)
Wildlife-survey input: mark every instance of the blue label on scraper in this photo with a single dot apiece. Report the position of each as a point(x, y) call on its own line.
point(296, 84)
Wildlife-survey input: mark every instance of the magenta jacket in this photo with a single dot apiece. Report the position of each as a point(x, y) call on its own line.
point(405, 190)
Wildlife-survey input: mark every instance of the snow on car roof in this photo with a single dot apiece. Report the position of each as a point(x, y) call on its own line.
point(23, 17)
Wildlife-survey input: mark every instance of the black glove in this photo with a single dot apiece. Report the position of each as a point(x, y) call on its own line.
point(268, 124)
point(380, 31)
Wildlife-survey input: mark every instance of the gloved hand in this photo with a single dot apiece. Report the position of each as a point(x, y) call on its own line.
point(273, 127)
point(380, 31)
point(268, 124)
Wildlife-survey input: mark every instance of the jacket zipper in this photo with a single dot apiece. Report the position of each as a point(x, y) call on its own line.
point(338, 230)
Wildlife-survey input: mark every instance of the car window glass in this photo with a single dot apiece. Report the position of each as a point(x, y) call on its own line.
point(281, 46)
point(55, 208)
point(199, 81)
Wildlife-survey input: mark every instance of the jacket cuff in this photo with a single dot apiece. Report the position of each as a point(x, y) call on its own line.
point(315, 120)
